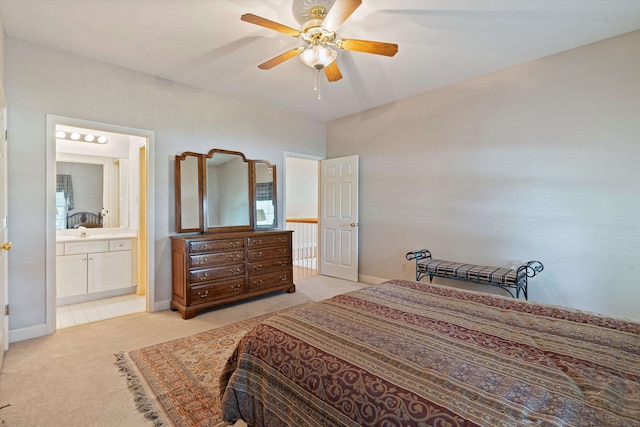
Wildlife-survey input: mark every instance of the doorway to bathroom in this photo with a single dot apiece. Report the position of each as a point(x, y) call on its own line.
point(98, 243)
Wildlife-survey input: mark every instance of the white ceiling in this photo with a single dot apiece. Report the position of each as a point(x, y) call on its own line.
point(203, 43)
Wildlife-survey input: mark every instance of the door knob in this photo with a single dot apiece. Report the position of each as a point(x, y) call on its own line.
point(5, 246)
point(354, 224)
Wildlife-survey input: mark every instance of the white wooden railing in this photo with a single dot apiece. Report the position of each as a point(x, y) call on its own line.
point(305, 241)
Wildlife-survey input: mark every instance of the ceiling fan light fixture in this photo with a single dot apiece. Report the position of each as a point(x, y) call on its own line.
point(318, 56)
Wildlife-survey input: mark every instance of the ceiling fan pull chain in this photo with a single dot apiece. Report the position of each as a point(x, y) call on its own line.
point(316, 85)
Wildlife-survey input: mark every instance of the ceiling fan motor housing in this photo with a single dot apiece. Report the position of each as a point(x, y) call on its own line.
point(312, 31)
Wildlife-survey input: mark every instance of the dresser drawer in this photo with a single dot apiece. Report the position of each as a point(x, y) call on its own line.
point(270, 266)
point(265, 281)
point(205, 293)
point(199, 261)
point(259, 241)
point(216, 245)
point(268, 253)
point(209, 274)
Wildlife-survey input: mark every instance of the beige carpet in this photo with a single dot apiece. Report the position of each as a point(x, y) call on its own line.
point(69, 378)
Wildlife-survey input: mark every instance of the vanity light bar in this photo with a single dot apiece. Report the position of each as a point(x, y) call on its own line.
point(77, 136)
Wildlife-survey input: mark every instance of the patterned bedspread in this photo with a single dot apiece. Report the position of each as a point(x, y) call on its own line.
point(413, 354)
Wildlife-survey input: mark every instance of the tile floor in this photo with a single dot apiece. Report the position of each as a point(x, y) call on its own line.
point(92, 311)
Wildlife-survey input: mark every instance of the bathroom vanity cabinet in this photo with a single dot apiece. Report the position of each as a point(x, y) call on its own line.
point(91, 269)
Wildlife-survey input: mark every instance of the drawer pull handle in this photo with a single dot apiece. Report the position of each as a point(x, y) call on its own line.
point(282, 239)
point(234, 244)
point(258, 267)
point(282, 251)
point(258, 242)
point(203, 294)
point(259, 254)
point(257, 283)
point(235, 287)
point(205, 275)
point(235, 271)
point(205, 260)
point(235, 257)
point(283, 263)
point(283, 277)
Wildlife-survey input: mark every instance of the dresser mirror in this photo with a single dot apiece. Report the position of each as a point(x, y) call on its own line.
point(189, 194)
point(223, 191)
point(265, 194)
point(228, 197)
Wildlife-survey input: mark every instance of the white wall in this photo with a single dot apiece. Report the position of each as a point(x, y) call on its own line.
point(2, 37)
point(40, 80)
point(539, 161)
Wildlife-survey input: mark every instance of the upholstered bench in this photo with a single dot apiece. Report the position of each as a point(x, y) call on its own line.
point(509, 279)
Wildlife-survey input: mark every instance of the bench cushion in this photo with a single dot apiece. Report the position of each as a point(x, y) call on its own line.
point(482, 273)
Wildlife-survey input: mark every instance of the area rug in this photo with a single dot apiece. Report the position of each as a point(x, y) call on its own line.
point(176, 382)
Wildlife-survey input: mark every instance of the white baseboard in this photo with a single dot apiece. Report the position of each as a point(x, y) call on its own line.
point(162, 305)
point(371, 279)
point(22, 334)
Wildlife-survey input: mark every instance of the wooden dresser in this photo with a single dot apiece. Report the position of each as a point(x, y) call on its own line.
point(216, 269)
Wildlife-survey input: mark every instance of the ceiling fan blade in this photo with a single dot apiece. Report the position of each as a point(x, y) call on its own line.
point(378, 48)
point(264, 22)
point(280, 58)
point(333, 72)
point(339, 12)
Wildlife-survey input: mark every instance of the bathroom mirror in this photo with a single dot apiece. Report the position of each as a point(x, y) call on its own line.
point(265, 194)
point(223, 191)
point(88, 192)
point(228, 197)
point(189, 192)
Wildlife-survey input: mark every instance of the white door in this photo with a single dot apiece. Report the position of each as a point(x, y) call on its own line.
point(5, 245)
point(339, 217)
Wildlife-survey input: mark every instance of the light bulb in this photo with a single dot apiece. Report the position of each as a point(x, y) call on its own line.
point(75, 136)
point(61, 135)
point(89, 138)
point(103, 139)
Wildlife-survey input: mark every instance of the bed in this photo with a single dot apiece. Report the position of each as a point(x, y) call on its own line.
point(84, 219)
point(414, 354)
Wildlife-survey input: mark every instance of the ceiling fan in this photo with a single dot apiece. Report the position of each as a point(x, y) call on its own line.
point(319, 35)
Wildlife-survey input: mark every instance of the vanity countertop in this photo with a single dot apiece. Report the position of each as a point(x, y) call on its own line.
point(95, 234)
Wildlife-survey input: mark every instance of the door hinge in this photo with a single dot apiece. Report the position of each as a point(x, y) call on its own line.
point(6, 310)
point(6, 135)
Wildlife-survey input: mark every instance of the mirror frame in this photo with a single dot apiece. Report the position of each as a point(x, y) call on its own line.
point(178, 194)
point(202, 194)
point(255, 195)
